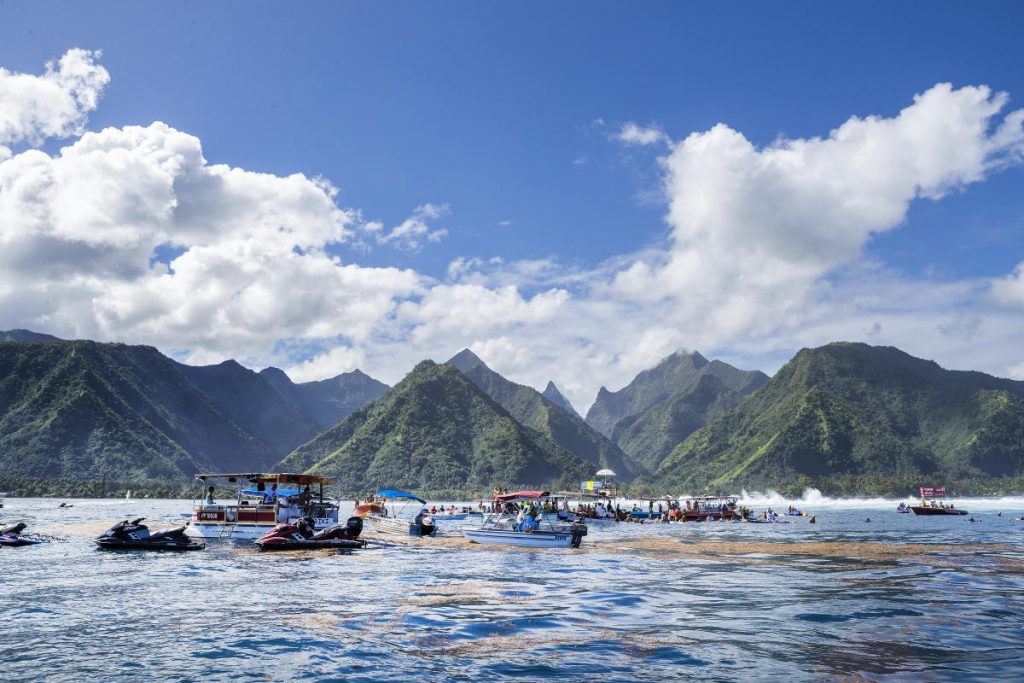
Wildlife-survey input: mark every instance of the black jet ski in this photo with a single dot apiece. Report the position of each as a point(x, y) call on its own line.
point(134, 535)
point(11, 536)
point(301, 536)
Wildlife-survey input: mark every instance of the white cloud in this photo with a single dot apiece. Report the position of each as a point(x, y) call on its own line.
point(1010, 289)
point(633, 134)
point(411, 233)
point(55, 104)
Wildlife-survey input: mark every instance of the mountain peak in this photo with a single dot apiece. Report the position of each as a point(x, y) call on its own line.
point(20, 335)
point(465, 360)
point(552, 394)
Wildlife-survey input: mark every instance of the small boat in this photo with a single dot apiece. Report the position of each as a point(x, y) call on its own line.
point(393, 523)
point(927, 510)
point(903, 508)
point(503, 526)
point(712, 509)
point(302, 537)
point(135, 535)
point(12, 537)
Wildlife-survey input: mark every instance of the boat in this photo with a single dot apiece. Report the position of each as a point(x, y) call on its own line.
point(263, 500)
point(711, 509)
point(503, 526)
point(931, 503)
point(302, 537)
point(134, 535)
point(11, 536)
point(903, 508)
point(393, 523)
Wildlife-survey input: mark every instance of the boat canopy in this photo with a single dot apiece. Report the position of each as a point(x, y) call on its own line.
point(267, 478)
point(253, 491)
point(391, 493)
point(520, 495)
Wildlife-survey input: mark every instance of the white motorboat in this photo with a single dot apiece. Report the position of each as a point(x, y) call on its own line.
point(392, 522)
point(503, 527)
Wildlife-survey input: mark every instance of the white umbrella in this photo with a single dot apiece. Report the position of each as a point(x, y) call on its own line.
point(605, 473)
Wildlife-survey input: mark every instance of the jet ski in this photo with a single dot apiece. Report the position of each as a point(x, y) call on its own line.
point(300, 536)
point(11, 535)
point(135, 535)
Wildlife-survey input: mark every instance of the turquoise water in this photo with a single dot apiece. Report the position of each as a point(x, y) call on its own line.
point(709, 601)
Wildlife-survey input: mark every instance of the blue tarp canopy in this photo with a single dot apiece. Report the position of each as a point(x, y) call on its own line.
point(281, 492)
point(389, 493)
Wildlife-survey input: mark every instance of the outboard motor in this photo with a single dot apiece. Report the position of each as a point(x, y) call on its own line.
point(427, 526)
point(578, 531)
point(354, 527)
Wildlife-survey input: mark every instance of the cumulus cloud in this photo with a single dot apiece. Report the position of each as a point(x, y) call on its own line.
point(79, 232)
point(1010, 289)
point(411, 233)
point(633, 134)
point(55, 104)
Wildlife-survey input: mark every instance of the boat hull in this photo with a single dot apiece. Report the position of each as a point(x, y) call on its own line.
point(395, 526)
point(929, 511)
point(519, 539)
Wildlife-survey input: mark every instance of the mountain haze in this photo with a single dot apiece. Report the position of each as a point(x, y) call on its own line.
point(330, 400)
point(552, 394)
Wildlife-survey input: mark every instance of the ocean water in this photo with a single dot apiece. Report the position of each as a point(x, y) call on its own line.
point(896, 598)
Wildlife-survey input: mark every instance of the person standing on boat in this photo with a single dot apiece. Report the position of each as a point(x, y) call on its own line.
point(209, 497)
point(270, 497)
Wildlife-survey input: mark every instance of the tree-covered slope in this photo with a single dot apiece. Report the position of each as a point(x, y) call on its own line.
point(253, 404)
point(853, 410)
point(530, 408)
point(83, 410)
point(330, 400)
point(435, 430)
point(665, 404)
point(651, 435)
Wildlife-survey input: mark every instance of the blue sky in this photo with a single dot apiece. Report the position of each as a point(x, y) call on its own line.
point(505, 118)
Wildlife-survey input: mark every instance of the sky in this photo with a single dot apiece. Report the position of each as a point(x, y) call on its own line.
point(574, 190)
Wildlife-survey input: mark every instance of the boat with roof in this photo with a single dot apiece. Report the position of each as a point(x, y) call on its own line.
point(262, 501)
point(405, 517)
point(517, 519)
point(711, 509)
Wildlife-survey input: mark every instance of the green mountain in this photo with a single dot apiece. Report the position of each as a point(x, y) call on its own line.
point(25, 336)
point(88, 411)
point(858, 418)
point(651, 435)
point(667, 403)
point(552, 394)
point(326, 401)
point(435, 430)
point(531, 409)
point(253, 404)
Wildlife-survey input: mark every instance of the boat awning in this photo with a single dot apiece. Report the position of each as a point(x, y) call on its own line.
point(520, 495)
point(391, 493)
point(281, 492)
point(267, 477)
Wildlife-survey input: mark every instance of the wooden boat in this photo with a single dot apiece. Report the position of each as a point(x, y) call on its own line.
point(711, 509)
point(503, 528)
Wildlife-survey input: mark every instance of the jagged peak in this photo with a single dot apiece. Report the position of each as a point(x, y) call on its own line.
point(465, 360)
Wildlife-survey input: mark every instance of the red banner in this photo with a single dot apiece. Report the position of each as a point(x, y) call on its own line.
point(933, 492)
